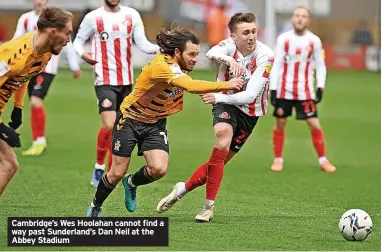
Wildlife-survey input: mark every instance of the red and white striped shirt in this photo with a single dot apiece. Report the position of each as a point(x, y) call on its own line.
point(296, 58)
point(28, 23)
point(111, 36)
point(253, 99)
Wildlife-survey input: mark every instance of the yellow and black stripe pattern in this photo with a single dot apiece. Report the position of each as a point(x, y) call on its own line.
point(153, 97)
point(24, 63)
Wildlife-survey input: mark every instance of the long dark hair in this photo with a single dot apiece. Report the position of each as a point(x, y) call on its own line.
point(169, 40)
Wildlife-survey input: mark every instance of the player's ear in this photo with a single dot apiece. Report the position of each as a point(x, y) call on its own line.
point(232, 35)
point(177, 53)
point(52, 32)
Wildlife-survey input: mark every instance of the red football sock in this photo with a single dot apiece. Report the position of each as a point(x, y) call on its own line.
point(109, 153)
point(318, 141)
point(215, 172)
point(278, 140)
point(102, 145)
point(38, 119)
point(198, 178)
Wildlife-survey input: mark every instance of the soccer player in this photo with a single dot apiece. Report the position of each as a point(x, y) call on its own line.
point(111, 29)
point(39, 85)
point(235, 114)
point(20, 60)
point(158, 93)
point(298, 53)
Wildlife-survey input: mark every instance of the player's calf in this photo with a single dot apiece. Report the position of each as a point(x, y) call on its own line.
point(9, 165)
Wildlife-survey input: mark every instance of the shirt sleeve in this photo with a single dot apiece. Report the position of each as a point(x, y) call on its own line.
point(85, 31)
point(321, 69)
point(20, 95)
point(140, 38)
point(173, 75)
point(71, 56)
point(219, 53)
point(278, 62)
point(20, 28)
point(254, 85)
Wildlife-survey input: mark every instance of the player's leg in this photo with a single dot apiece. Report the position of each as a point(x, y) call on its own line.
point(307, 111)
point(107, 109)
point(8, 165)
point(281, 112)
point(124, 140)
point(121, 93)
point(38, 89)
point(155, 148)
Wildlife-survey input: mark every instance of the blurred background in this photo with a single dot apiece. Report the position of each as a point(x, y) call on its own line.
point(349, 29)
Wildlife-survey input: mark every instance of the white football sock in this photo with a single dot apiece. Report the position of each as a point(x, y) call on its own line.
point(321, 160)
point(279, 159)
point(100, 167)
point(181, 191)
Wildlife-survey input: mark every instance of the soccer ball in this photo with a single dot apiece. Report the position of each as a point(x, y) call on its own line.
point(355, 225)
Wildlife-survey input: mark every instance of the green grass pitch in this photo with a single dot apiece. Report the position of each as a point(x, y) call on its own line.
point(256, 209)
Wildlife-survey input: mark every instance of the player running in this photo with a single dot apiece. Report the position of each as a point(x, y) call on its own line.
point(235, 114)
point(158, 93)
point(39, 85)
point(298, 53)
point(111, 29)
point(20, 60)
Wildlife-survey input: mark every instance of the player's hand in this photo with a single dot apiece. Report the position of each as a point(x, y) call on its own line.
point(76, 74)
point(235, 69)
point(9, 135)
point(208, 98)
point(273, 98)
point(319, 95)
point(236, 84)
point(16, 118)
point(88, 58)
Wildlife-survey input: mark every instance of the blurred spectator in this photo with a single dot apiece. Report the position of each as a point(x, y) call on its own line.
point(362, 35)
point(3, 33)
point(85, 12)
point(217, 22)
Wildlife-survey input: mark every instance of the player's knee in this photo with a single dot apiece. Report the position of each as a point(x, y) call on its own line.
point(157, 170)
point(115, 175)
point(36, 102)
point(11, 165)
point(108, 125)
point(313, 123)
point(223, 138)
point(280, 123)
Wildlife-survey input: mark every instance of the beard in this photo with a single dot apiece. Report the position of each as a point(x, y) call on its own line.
point(111, 5)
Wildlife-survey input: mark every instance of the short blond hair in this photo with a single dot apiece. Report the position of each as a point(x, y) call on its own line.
point(53, 17)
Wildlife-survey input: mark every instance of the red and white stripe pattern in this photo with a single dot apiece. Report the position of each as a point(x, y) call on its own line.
point(111, 45)
point(258, 107)
point(296, 74)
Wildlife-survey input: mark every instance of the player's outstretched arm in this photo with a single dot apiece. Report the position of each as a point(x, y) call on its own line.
point(200, 86)
point(140, 38)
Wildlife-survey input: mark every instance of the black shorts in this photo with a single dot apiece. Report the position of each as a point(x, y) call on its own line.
point(39, 85)
point(242, 124)
point(304, 109)
point(111, 97)
point(128, 132)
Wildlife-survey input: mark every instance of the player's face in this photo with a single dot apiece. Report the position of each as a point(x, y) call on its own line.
point(112, 3)
point(300, 19)
point(245, 37)
point(38, 5)
point(59, 38)
point(188, 59)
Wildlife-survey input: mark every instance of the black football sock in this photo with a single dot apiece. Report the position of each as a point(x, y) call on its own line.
point(141, 177)
point(103, 191)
